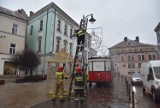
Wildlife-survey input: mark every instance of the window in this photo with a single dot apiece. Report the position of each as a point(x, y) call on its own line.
point(130, 57)
point(152, 56)
point(70, 33)
point(70, 47)
point(65, 45)
point(140, 57)
point(14, 29)
point(65, 29)
point(116, 59)
point(12, 49)
point(39, 45)
point(41, 25)
point(31, 30)
point(59, 25)
point(122, 58)
point(131, 65)
point(139, 65)
point(58, 42)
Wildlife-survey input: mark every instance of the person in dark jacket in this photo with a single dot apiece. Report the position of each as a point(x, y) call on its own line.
point(79, 84)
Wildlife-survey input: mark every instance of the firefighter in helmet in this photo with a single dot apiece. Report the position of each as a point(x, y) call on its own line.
point(79, 84)
point(59, 76)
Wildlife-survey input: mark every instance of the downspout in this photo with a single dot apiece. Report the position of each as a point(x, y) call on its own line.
point(45, 42)
point(54, 31)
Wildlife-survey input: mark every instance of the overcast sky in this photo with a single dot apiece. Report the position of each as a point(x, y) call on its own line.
point(118, 18)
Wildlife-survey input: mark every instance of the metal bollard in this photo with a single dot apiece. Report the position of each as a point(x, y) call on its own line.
point(133, 99)
point(127, 84)
point(129, 90)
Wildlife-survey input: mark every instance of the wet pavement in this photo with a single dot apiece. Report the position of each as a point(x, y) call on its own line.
point(22, 95)
point(111, 96)
point(33, 95)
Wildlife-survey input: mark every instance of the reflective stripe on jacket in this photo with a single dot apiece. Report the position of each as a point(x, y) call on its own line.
point(79, 78)
point(59, 76)
point(80, 32)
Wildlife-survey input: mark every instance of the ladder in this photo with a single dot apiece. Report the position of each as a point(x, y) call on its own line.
point(83, 25)
point(79, 57)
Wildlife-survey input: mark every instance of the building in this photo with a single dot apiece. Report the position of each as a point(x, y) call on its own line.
point(157, 30)
point(48, 31)
point(128, 55)
point(12, 38)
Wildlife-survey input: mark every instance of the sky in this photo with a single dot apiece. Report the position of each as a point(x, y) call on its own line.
point(115, 19)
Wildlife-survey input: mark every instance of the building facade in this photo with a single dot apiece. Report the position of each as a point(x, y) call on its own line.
point(157, 30)
point(128, 55)
point(12, 38)
point(48, 31)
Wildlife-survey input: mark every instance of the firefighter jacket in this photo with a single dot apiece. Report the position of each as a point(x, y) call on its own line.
point(80, 33)
point(59, 76)
point(79, 81)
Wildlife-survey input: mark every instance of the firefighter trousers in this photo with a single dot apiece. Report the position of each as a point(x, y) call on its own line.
point(59, 89)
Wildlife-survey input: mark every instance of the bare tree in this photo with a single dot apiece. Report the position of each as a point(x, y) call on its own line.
point(27, 60)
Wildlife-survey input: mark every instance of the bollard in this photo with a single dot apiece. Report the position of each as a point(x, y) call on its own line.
point(129, 94)
point(133, 99)
point(127, 84)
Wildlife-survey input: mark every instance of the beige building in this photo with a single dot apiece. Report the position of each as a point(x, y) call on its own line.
point(12, 38)
point(128, 55)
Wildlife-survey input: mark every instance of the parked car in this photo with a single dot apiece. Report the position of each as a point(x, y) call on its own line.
point(136, 78)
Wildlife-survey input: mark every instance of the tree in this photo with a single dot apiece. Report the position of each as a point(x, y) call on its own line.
point(27, 60)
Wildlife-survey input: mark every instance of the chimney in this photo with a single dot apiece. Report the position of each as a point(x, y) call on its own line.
point(125, 39)
point(137, 39)
point(31, 13)
point(20, 11)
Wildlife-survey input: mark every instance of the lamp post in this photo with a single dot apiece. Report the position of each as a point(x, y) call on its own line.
point(84, 21)
point(83, 25)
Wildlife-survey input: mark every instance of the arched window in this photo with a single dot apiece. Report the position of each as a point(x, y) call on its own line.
point(58, 44)
point(65, 45)
point(70, 48)
point(39, 43)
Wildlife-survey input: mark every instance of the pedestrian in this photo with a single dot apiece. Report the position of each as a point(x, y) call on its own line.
point(79, 84)
point(59, 77)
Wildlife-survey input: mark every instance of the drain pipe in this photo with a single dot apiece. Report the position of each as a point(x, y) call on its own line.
point(45, 42)
point(54, 30)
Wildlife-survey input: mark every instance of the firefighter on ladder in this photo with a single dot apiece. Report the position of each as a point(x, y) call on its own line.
point(59, 76)
point(79, 84)
point(80, 38)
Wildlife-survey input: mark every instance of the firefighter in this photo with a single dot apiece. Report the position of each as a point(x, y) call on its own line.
point(79, 84)
point(59, 76)
point(80, 38)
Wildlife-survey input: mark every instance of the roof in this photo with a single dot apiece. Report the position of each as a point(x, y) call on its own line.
point(128, 43)
point(20, 14)
point(157, 27)
point(57, 9)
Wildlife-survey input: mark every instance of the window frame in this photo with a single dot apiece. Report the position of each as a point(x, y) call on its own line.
point(14, 28)
point(41, 25)
point(12, 49)
point(59, 25)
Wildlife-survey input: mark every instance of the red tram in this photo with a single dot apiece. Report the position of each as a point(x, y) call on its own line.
point(99, 70)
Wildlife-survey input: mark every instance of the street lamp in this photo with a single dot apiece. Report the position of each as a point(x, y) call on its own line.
point(84, 21)
point(83, 25)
